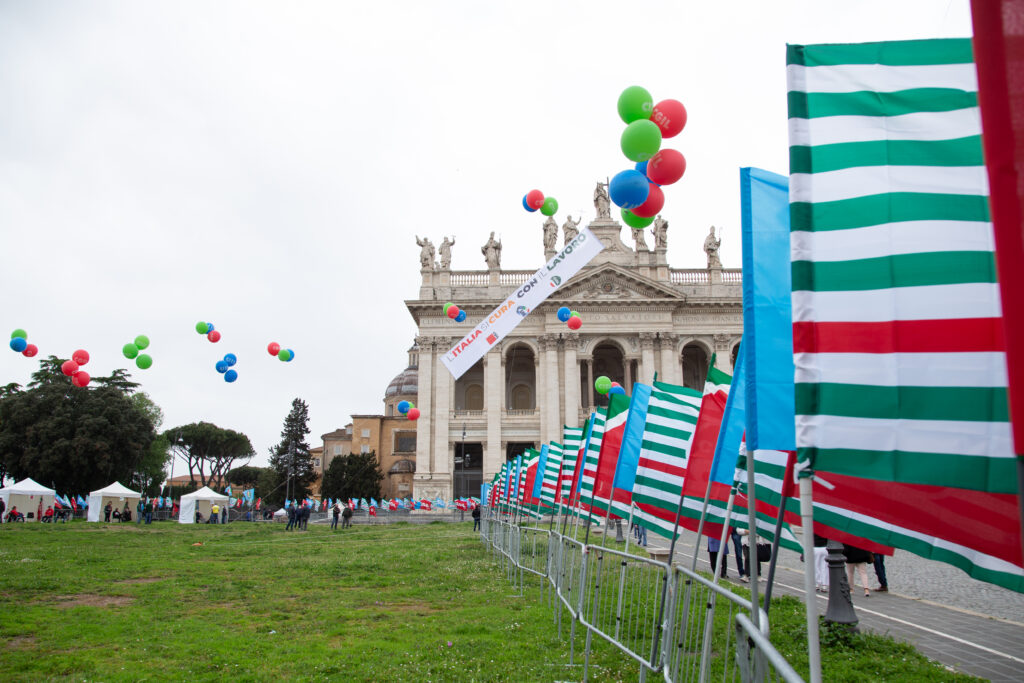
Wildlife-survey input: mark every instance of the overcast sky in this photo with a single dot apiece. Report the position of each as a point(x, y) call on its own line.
point(265, 166)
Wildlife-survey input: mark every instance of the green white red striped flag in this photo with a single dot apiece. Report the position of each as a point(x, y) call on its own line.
point(897, 329)
point(616, 413)
point(572, 442)
point(552, 473)
point(591, 453)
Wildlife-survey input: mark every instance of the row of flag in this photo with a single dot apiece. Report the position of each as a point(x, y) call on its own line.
point(873, 362)
point(372, 505)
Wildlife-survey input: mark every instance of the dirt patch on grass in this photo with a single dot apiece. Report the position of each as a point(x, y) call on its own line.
point(148, 579)
point(419, 607)
point(21, 643)
point(93, 600)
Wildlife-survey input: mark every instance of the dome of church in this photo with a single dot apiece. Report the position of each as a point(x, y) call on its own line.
point(405, 384)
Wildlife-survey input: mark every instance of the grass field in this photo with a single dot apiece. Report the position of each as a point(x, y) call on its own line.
point(400, 602)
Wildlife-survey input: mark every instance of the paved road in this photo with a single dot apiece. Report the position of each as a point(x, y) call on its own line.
point(970, 626)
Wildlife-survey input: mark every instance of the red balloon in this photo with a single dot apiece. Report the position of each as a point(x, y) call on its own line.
point(80, 378)
point(453, 312)
point(670, 115)
point(655, 200)
point(30, 350)
point(413, 414)
point(81, 356)
point(666, 167)
point(575, 322)
point(213, 336)
point(273, 348)
point(535, 199)
point(69, 367)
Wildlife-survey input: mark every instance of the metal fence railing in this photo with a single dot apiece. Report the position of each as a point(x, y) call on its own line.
point(667, 619)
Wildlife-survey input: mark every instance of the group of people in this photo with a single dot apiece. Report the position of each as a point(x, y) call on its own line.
point(144, 512)
point(857, 561)
point(12, 515)
point(742, 550)
point(339, 510)
point(298, 517)
point(218, 515)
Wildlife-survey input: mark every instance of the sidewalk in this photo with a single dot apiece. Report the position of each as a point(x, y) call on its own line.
point(977, 629)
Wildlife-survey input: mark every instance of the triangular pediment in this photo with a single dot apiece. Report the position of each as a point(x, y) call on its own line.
point(610, 282)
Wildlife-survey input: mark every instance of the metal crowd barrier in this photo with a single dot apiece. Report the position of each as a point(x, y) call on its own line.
point(668, 620)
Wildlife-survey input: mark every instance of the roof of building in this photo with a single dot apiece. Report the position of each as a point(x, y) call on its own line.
point(406, 383)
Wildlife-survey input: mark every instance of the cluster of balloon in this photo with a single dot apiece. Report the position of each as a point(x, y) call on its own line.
point(454, 312)
point(637, 191)
point(572, 319)
point(19, 343)
point(605, 385)
point(224, 367)
point(409, 409)
point(535, 199)
point(72, 368)
point(131, 350)
point(207, 329)
point(286, 355)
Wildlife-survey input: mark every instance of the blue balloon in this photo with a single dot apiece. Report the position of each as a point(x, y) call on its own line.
point(403, 407)
point(617, 390)
point(461, 316)
point(222, 366)
point(642, 167)
point(527, 206)
point(291, 355)
point(230, 376)
point(18, 344)
point(209, 328)
point(564, 313)
point(230, 359)
point(629, 189)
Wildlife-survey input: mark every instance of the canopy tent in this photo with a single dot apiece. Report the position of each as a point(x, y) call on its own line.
point(25, 495)
point(117, 495)
point(200, 501)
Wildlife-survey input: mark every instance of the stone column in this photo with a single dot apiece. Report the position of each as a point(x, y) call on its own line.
point(572, 381)
point(646, 357)
point(627, 371)
point(669, 364)
point(541, 381)
point(494, 389)
point(590, 383)
point(723, 342)
point(553, 401)
point(441, 460)
point(424, 433)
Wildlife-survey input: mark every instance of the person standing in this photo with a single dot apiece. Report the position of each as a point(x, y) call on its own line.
point(106, 511)
point(714, 546)
point(821, 575)
point(291, 517)
point(223, 514)
point(214, 514)
point(126, 514)
point(306, 511)
point(139, 510)
point(883, 583)
point(476, 518)
point(346, 516)
point(335, 513)
point(857, 559)
point(3, 507)
point(737, 546)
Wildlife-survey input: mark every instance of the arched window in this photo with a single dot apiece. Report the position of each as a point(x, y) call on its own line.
point(522, 398)
point(695, 366)
point(464, 395)
point(520, 378)
point(474, 397)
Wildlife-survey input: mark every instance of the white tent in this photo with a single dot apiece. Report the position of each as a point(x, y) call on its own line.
point(117, 495)
point(199, 501)
point(25, 496)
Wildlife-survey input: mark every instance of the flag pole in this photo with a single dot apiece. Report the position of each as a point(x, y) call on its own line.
point(755, 603)
point(807, 533)
point(775, 553)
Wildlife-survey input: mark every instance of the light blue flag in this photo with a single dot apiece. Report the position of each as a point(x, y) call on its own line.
point(727, 450)
point(767, 312)
point(538, 479)
point(485, 489)
point(632, 439)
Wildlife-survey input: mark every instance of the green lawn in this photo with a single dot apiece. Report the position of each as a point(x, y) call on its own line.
point(388, 603)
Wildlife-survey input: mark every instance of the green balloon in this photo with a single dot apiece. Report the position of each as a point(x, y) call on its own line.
point(144, 361)
point(447, 306)
point(634, 221)
point(202, 328)
point(574, 314)
point(142, 341)
point(549, 207)
point(635, 103)
point(19, 333)
point(284, 354)
point(602, 384)
point(130, 350)
point(641, 140)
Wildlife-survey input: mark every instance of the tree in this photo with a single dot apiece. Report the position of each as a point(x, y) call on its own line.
point(244, 475)
point(208, 449)
point(290, 458)
point(356, 475)
point(75, 439)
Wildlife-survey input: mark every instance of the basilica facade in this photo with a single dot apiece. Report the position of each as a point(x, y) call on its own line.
point(640, 318)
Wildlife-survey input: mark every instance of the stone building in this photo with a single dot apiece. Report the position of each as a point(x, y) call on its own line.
point(640, 317)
